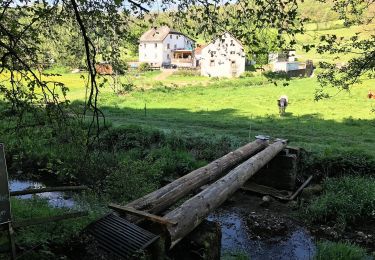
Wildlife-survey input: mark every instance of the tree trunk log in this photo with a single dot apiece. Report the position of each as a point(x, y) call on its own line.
point(166, 196)
point(192, 212)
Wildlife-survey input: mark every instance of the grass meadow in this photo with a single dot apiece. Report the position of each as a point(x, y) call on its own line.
point(243, 108)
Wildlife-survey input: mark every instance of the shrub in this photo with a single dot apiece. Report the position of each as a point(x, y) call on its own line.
point(126, 88)
point(247, 74)
point(144, 66)
point(344, 200)
point(120, 66)
point(327, 250)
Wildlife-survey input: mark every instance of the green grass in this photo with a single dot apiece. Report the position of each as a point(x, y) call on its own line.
point(242, 108)
point(247, 107)
point(327, 250)
point(315, 30)
point(346, 200)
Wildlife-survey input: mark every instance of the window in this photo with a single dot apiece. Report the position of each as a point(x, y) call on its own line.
point(175, 46)
point(177, 37)
point(144, 45)
point(156, 45)
point(170, 36)
point(212, 63)
point(145, 55)
point(168, 46)
point(232, 52)
point(168, 57)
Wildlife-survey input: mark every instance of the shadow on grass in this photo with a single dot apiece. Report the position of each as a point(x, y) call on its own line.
point(310, 131)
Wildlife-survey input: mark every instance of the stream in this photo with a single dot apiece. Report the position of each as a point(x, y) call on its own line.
point(236, 239)
point(55, 199)
point(236, 236)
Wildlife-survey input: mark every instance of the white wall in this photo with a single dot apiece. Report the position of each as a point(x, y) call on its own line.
point(151, 54)
point(224, 57)
point(285, 66)
point(159, 55)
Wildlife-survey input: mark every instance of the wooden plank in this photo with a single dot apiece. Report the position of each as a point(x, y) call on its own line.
point(47, 189)
point(138, 213)
point(301, 188)
point(44, 220)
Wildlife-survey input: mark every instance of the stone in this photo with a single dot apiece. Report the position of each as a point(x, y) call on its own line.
point(266, 201)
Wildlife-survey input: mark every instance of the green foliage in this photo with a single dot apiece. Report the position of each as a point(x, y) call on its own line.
point(57, 70)
point(345, 200)
point(327, 250)
point(247, 74)
point(58, 232)
point(143, 67)
point(235, 255)
point(126, 88)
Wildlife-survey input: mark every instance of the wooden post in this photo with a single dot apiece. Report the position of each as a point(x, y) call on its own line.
point(191, 213)
point(161, 199)
point(12, 244)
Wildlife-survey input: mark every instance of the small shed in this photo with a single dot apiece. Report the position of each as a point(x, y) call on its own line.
point(223, 57)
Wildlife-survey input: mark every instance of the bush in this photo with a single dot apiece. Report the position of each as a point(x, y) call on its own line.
point(120, 66)
point(126, 88)
point(345, 200)
point(247, 74)
point(143, 67)
point(339, 251)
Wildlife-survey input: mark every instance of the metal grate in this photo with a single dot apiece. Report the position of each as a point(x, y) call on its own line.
point(120, 237)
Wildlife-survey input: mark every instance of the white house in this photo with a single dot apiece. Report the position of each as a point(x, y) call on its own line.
point(283, 56)
point(223, 57)
point(164, 46)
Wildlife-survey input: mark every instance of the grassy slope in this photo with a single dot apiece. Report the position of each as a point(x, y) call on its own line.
point(247, 107)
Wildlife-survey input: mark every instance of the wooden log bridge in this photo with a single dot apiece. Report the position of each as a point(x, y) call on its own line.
point(163, 198)
point(192, 212)
point(180, 221)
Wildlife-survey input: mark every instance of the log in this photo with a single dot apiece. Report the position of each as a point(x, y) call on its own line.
point(193, 211)
point(161, 199)
point(48, 189)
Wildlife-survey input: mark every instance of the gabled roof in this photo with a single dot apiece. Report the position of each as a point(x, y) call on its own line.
point(221, 35)
point(159, 34)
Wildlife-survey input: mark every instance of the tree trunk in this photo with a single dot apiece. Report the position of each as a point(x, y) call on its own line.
point(195, 210)
point(161, 199)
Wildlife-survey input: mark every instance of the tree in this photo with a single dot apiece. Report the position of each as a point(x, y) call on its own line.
point(97, 30)
point(362, 65)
